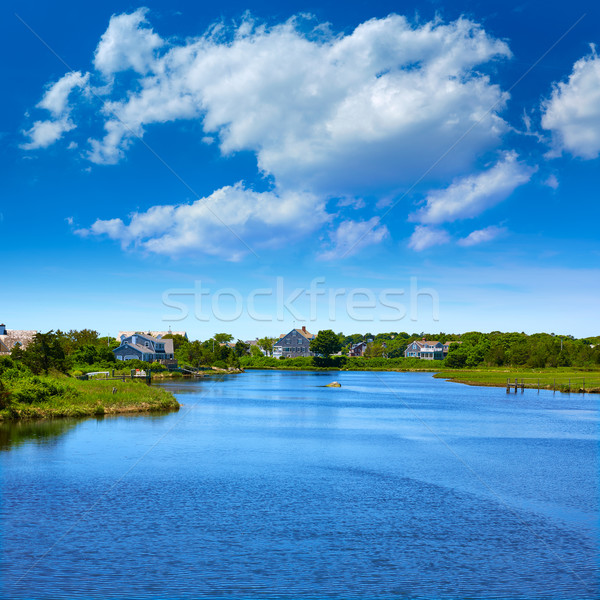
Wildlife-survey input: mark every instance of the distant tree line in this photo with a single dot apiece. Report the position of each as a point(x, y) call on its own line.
point(86, 350)
point(493, 349)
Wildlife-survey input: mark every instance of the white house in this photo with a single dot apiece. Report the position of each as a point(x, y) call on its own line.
point(428, 349)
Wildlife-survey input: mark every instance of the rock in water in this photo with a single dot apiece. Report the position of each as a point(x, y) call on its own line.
point(334, 384)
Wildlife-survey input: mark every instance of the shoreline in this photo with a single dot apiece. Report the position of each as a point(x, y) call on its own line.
point(93, 398)
point(99, 397)
point(567, 381)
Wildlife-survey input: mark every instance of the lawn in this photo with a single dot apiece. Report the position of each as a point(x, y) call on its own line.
point(560, 379)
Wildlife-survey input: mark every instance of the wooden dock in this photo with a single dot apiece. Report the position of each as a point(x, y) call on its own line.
point(576, 385)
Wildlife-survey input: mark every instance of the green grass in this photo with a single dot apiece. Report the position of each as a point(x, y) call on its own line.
point(548, 379)
point(94, 397)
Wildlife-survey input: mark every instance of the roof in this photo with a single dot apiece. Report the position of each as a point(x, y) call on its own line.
point(302, 332)
point(155, 334)
point(137, 347)
point(20, 336)
point(168, 344)
point(306, 334)
point(425, 342)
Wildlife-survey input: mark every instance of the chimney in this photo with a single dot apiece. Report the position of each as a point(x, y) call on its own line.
point(303, 328)
point(2, 329)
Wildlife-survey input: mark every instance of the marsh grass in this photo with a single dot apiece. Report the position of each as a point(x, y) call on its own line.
point(559, 379)
point(85, 398)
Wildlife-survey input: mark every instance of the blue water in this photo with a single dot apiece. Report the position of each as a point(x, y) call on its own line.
point(267, 485)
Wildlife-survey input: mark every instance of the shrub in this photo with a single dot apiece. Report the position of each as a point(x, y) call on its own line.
point(28, 390)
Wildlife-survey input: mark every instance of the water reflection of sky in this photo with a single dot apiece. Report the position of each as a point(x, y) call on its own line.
point(269, 483)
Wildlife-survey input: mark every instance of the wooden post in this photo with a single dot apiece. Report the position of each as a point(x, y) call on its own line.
point(522, 385)
point(538, 385)
point(554, 386)
point(569, 385)
point(507, 385)
point(516, 385)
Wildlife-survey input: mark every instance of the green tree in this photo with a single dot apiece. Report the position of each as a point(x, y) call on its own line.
point(374, 350)
point(457, 356)
point(45, 352)
point(256, 352)
point(241, 349)
point(266, 344)
point(223, 338)
point(178, 340)
point(326, 343)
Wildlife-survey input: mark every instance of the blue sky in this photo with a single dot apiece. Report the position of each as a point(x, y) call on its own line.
point(423, 166)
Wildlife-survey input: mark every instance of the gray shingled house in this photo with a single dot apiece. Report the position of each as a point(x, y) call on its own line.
point(295, 343)
point(9, 338)
point(144, 347)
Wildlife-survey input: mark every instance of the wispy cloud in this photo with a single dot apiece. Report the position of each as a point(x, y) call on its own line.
point(481, 236)
point(56, 101)
point(425, 237)
point(348, 232)
point(188, 229)
point(468, 197)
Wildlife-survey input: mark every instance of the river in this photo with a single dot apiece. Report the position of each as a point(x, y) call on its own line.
point(269, 485)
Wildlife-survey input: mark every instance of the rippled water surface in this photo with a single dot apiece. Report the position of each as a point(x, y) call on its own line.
point(267, 485)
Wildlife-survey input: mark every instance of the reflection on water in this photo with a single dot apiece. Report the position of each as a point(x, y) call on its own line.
point(45, 432)
point(267, 485)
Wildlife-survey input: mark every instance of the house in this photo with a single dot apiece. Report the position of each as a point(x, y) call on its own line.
point(9, 338)
point(428, 349)
point(357, 349)
point(145, 347)
point(293, 344)
point(156, 334)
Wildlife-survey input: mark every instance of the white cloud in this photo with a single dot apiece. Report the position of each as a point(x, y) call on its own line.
point(552, 182)
point(351, 237)
point(572, 113)
point(127, 44)
point(425, 237)
point(481, 236)
point(56, 99)
point(206, 225)
point(327, 116)
point(335, 114)
point(44, 133)
point(469, 196)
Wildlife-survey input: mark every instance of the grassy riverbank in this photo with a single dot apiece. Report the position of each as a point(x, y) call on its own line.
point(559, 379)
point(27, 396)
point(337, 363)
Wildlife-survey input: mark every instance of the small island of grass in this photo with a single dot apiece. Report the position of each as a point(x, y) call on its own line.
point(25, 395)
